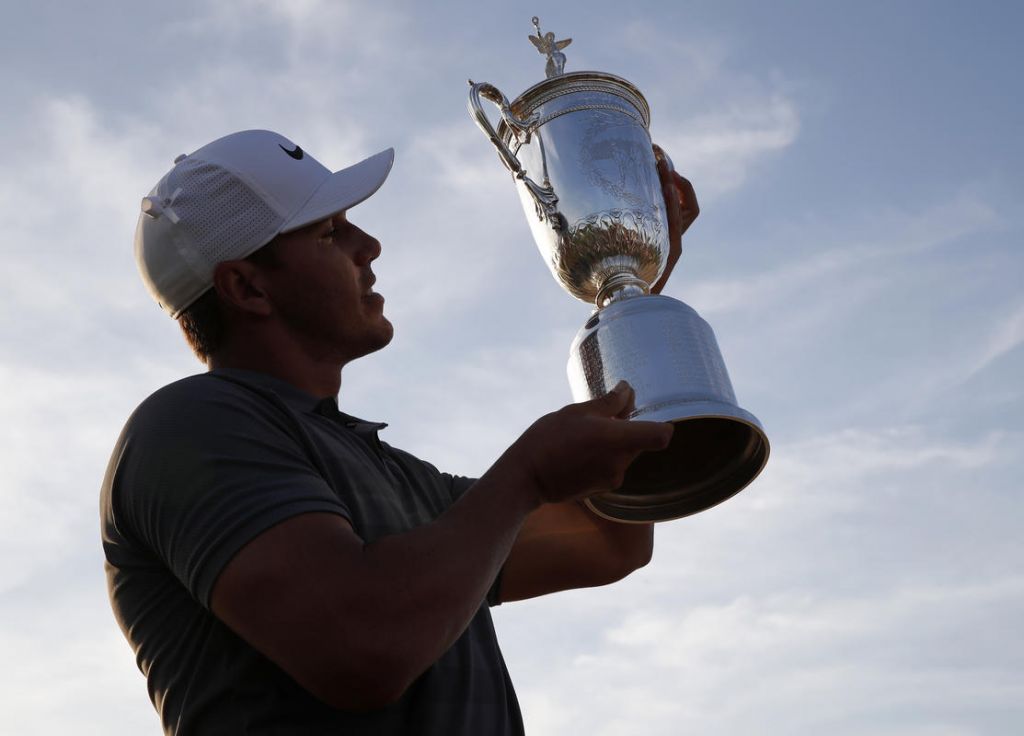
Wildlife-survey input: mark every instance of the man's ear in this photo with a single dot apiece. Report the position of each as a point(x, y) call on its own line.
point(240, 289)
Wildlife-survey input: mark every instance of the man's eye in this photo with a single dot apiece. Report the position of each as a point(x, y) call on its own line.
point(329, 235)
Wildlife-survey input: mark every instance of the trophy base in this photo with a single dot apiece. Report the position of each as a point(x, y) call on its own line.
point(670, 357)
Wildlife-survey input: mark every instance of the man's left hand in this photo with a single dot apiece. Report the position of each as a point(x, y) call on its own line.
point(682, 209)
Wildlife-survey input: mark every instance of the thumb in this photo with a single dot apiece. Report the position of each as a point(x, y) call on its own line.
point(616, 403)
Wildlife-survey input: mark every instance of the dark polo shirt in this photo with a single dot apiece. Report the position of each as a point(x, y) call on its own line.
point(201, 468)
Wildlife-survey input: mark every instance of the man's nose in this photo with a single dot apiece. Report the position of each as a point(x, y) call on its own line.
point(369, 248)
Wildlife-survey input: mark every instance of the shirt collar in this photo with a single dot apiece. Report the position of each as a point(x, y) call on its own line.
point(298, 399)
point(328, 407)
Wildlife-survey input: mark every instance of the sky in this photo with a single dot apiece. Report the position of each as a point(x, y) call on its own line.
point(858, 254)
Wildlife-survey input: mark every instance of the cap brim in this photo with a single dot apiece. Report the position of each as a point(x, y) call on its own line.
point(343, 189)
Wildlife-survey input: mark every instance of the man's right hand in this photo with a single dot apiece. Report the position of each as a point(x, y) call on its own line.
point(586, 448)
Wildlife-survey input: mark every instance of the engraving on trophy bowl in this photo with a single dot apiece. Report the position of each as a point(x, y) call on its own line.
point(608, 244)
point(614, 159)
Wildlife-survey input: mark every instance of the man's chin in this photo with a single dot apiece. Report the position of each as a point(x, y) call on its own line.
point(382, 336)
point(388, 334)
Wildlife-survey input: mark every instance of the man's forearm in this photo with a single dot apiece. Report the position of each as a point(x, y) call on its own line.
point(566, 545)
point(630, 544)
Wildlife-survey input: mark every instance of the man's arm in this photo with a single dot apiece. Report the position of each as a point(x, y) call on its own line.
point(356, 623)
point(566, 545)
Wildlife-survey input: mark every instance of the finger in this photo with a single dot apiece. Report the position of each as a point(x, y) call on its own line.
point(669, 186)
point(666, 173)
point(613, 403)
point(687, 197)
point(662, 158)
point(639, 436)
point(676, 222)
point(630, 406)
point(678, 195)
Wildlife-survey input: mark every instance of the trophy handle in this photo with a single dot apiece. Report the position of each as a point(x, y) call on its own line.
point(520, 128)
point(543, 195)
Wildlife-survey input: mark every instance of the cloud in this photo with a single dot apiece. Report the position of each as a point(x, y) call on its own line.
point(841, 592)
point(74, 344)
point(800, 663)
point(721, 147)
point(872, 244)
point(850, 502)
point(860, 308)
point(65, 660)
point(53, 453)
point(697, 61)
point(839, 478)
point(845, 664)
point(718, 120)
point(1004, 336)
point(84, 178)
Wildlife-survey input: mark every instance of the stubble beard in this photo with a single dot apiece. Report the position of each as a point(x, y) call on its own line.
point(333, 341)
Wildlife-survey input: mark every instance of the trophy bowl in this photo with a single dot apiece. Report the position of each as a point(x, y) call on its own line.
point(597, 213)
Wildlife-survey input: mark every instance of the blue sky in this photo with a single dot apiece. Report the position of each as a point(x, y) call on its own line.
point(858, 255)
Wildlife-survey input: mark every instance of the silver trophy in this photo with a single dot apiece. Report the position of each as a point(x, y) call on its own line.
point(580, 151)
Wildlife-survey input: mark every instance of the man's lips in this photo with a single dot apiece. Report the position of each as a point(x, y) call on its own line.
point(369, 294)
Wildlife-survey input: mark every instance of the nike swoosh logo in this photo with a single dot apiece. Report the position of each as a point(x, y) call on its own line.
point(296, 154)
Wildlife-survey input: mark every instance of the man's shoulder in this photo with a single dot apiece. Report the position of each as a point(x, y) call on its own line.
point(198, 389)
point(190, 388)
point(198, 424)
point(200, 398)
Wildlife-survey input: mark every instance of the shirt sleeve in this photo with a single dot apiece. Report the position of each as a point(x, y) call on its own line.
point(459, 485)
point(205, 468)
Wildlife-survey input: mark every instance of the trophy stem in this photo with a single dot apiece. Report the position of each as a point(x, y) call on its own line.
point(621, 286)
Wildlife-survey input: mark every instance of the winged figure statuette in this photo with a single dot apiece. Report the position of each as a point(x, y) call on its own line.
point(547, 45)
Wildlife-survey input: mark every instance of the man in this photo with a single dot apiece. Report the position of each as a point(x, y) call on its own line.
point(275, 566)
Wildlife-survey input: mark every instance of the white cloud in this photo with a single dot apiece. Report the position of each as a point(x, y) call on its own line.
point(66, 662)
point(801, 662)
point(71, 206)
point(805, 612)
point(698, 60)
point(843, 461)
point(855, 306)
point(1004, 336)
point(794, 664)
point(716, 120)
point(874, 244)
point(717, 150)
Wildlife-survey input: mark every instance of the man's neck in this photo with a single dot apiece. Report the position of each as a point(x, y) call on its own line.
point(316, 375)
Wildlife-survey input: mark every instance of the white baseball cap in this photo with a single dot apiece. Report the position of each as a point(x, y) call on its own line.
point(230, 198)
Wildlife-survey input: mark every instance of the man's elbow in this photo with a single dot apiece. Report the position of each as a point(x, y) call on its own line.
point(642, 557)
point(364, 684)
point(632, 557)
point(362, 696)
point(634, 561)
